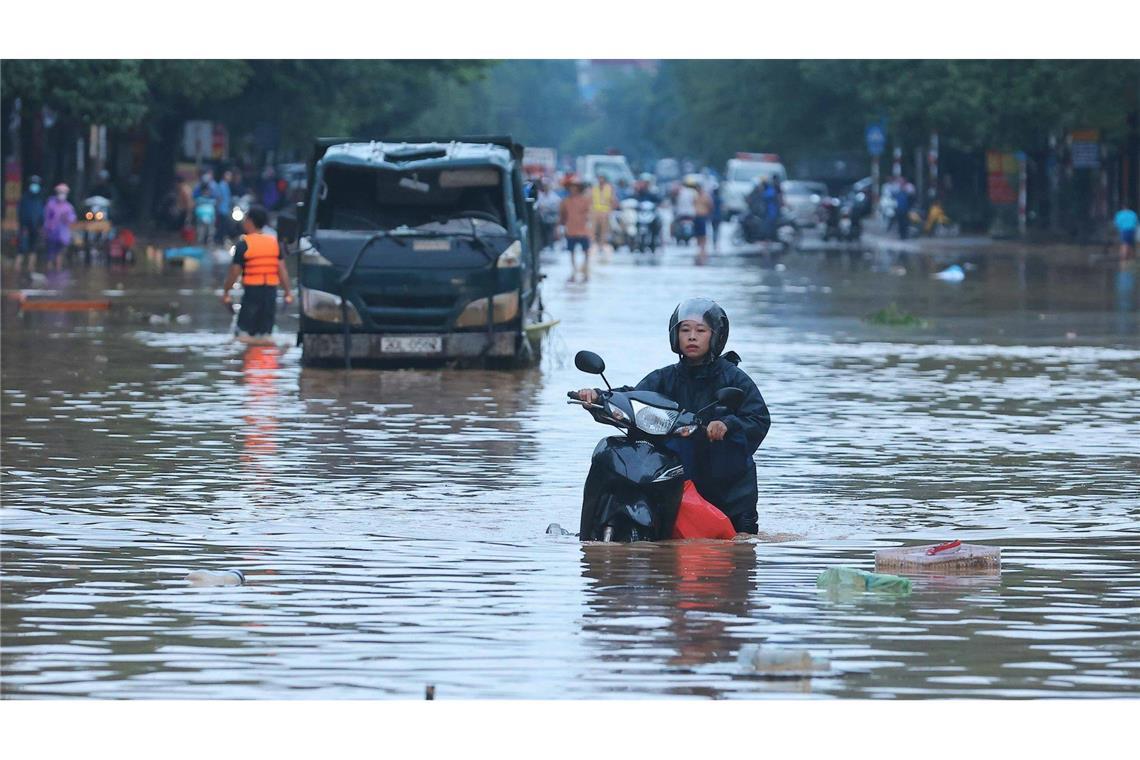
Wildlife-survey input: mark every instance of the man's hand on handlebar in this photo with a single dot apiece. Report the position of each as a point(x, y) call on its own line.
point(716, 430)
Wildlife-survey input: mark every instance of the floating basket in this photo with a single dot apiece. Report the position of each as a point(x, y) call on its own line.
point(952, 557)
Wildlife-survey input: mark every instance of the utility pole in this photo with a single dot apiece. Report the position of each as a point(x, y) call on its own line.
point(1022, 193)
point(932, 160)
point(1054, 171)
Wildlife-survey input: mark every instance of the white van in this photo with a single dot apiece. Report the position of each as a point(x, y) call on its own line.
point(616, 168)
point(741, 175)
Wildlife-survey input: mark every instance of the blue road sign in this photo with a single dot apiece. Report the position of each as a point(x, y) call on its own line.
point(876, 139)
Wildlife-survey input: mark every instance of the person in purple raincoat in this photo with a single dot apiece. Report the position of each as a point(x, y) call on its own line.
point(59, 215)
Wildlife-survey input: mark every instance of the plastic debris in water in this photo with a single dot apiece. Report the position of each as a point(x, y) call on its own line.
point(216, 578)
point(851, 578)
point(952, 273)
point(554, 529)
point(780, 662)
point(953, 556)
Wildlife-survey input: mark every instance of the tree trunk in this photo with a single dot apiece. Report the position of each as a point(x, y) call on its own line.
point(158, 165)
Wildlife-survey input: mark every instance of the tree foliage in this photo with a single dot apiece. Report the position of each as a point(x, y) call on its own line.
point(305, 97)
point(534, 101)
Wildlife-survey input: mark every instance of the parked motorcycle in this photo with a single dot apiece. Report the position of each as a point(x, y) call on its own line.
point(634, 487)
point(648, 236)
point(754, 229)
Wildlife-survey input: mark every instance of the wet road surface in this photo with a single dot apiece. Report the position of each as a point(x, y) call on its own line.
point(391, 523)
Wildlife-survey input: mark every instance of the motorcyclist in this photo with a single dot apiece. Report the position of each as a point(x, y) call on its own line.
point(643, 192)
point(719, 462)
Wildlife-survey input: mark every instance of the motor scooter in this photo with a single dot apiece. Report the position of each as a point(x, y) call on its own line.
point(623, 225)
point(683, 229)
point(96, 226)
point(241, 207)
point(841, 221)
point(634, 487)
point(648, 227)
point(753, 229)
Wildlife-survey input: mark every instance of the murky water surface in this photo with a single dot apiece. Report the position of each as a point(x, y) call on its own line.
point(391, 523)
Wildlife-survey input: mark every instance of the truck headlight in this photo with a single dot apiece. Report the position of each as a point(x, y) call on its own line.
point(511, 257)
point(504, 308)
point(310, 254)
point(326, 307)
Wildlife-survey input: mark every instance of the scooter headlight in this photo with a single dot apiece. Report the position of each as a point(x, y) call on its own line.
point(652, 420)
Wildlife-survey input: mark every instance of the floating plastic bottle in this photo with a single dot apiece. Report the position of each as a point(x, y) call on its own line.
point(860, 580)
point(781, 662)
point(216, 578)
point(554, 529)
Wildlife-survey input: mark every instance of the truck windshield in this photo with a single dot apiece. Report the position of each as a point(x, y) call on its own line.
point(440, 200)
point(750, 172)
point(614, 170)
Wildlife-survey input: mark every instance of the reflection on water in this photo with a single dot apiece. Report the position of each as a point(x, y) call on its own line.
point(390, 523)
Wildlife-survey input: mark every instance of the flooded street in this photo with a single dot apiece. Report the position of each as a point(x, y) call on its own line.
point(390, 524)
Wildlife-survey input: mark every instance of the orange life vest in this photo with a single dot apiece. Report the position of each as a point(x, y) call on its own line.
point(261, 256)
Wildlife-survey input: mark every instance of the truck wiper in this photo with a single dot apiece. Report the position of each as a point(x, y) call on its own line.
point(480, 243)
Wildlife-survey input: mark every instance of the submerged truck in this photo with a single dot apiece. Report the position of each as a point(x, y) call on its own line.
point(418, 249)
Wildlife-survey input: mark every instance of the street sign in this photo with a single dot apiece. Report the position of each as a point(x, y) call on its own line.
point(876, 139)
point(1085, 148)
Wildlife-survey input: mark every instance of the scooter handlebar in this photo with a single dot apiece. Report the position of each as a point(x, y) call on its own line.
point(573, 395)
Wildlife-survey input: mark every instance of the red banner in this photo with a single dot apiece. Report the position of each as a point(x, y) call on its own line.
point(1001, 177)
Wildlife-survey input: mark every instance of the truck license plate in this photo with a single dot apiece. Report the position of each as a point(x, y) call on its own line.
point(411, 344)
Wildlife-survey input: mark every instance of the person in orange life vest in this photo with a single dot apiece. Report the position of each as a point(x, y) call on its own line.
point(258, 261)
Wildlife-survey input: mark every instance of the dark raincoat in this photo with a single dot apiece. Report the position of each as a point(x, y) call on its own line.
point(724, 472)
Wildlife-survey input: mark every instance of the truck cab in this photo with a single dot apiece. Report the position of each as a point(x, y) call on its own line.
point(416, 250)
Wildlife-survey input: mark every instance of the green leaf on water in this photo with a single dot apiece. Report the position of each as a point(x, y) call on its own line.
point(892, 316)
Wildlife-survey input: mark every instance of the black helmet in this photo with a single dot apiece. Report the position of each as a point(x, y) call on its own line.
point(706, 310)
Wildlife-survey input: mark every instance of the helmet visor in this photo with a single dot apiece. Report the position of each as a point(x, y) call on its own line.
point(696, 309)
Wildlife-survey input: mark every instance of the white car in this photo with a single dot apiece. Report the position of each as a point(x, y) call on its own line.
point(740, 176)
point(802, 201)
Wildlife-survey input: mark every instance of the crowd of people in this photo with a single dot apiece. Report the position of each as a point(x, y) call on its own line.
point(208, 211)
point(580, 214)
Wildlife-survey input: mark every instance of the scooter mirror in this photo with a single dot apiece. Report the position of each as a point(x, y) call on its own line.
point(588, 361)
point(730, 397)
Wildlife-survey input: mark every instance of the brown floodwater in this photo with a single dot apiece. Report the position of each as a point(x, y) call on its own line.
point(391, 523)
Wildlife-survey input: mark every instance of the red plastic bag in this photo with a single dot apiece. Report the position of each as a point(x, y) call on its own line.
point(697, 518)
